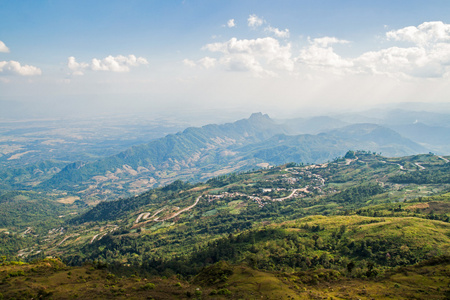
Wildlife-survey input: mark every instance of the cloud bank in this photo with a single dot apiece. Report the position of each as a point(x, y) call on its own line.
point(428, 56)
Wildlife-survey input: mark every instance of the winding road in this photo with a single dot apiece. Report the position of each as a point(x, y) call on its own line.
point(179, 212)
point(443, 158)
point(290, 196)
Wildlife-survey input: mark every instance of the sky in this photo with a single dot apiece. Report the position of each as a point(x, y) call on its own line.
point(285, 58)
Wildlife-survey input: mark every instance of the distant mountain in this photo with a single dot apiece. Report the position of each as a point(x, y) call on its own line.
point(313, 125)
point(325, 146)
point(377, 138)
point(395, 117)
point(436, 138)
point(201, 153)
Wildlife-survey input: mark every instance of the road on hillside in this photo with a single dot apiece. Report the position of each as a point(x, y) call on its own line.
point(179, 212)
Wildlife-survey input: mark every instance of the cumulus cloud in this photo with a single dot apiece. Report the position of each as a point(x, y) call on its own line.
point(326, 41)
point(277, 32)
point(254, 21)
point(231, 23)
point(320, 55)
point(15, 68)
point(256, 55)
point(429, 57)
point(207, 62)
point(3, 47)
point(412, 61)
point(189, 62)
point(425, 33)
point(76, 68)
point(110, 63)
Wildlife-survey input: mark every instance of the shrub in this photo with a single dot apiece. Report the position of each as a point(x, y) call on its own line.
point(224, 291)
point(148, 286)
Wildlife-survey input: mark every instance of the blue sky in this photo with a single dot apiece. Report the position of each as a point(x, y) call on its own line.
point(275, 56)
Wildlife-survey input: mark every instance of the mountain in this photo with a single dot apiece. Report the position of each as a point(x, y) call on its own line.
point(313, 125)
point(201, 153)
point(319, 148)
point(436, 138)
point(377, 138)
point(185, 155)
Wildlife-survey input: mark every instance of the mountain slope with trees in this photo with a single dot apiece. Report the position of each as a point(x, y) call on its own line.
point(359, 220)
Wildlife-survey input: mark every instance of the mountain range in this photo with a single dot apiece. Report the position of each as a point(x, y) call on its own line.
point(199, 153)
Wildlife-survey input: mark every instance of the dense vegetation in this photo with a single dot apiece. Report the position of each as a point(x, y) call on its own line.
point(54, 280)
point(348, 219)
point(428, 176)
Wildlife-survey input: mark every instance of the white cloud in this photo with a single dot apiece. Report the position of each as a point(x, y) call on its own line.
point(390, 61)
point(320, 55)
point(326, 41)
point(207, 62)
point(76, 68)
point(428, 58)
point(15, 68)
point(425, 33)
point(254, 21)
point(110, 63)
point(3, 47)
point(277, 32)
point(231, 23)
point(412, 61)
point(189, 62)
point(260, 56)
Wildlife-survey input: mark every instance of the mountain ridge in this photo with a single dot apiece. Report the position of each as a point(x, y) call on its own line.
point(199, 153)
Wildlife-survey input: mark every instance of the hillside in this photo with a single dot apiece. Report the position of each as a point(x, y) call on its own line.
point(172, 219)
point(309, 229)
point(53, 279)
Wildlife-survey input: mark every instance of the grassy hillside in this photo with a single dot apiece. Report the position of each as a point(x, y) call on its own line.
point(51, 279)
